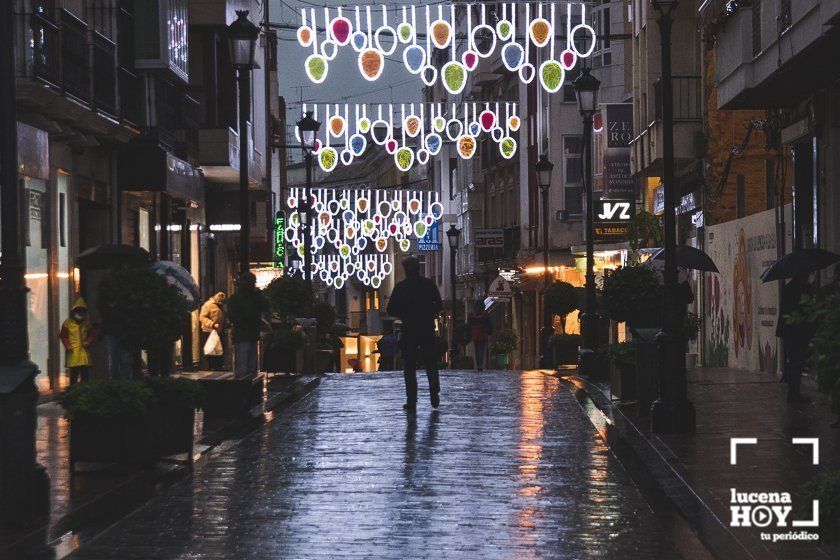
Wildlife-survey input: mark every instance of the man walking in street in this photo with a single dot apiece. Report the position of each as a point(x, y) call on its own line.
point(416, 301)
point(245, 311)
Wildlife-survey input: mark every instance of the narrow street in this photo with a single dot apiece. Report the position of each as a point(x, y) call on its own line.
point(509, 467)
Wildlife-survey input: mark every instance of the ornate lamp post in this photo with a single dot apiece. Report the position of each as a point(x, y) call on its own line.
point(308, 129)
point(544, 168)
point(453, 235)
point(242, 40)
point(586, 89)
point(672, 411)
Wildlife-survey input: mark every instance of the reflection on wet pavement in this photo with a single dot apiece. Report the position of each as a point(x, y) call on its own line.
point(508, 468)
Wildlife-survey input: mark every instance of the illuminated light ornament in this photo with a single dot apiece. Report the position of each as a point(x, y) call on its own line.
point(404, 158)
point(304, 32)
point(436, 210)
point(513, 123)
point(504, 27)
point(414, 205)
point(487, 119)
point(338, 282)
point(337, 124)
point(347, 154)
point(380, 130)
point(420, 229)
point(358, 143)
point(362, 124)
point(371, 61)
point(440, 30)
point(315, 65)
point(474, 128)
point(381, 244)
point(341, 29)
point(405, 30)
point(433, 143)
point(454, 127)
point(466, 146)
point(412, 125)
point(316, 147)
point(540, 29)
point(487, 31)
point(405, 244)
point(453, 74)
point(497, 134)
point(507, 146)
point(329, 48)
point(358, 39)
point(512, 53)
point(526, 69)
point(551, 72)
point(422, 151)
point(327, 159)
point(470, 57)
point(362, 204)
point(368, 227)
point(572, 45)
point(386, 29)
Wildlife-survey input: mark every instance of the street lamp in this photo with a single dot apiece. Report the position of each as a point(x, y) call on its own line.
point(672, 411)
point(242, 40)
point(453, 235)
point(294, 263)
point(308, 130)
point(544, 168)
point(586, 88)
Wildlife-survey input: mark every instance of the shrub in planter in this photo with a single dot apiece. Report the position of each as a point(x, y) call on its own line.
point(561, 298)
point(565, 348)
point(172, 418)
point(622, 359)
point(109, 421)
point(633, 295)
point(826, 489)
point(289, 297)
point(143, 310)
point(280, 347)
point(504, 343)
point(822, 314)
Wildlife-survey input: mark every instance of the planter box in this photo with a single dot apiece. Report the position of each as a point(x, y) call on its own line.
point(623, 381)
point(124, 439)
point(172, 430)
point(227, 398)
point(565, 354)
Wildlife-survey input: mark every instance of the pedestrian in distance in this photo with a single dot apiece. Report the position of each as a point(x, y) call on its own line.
point(245, 310)
point(481, 328)
point(387, 348)
point(416, 301)
point(213, 319)
point(77, 335)
point(795, 337)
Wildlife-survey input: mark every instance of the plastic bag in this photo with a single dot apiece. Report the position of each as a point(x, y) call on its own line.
point(213, 346)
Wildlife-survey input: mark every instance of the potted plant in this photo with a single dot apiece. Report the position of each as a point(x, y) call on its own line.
point(280, 347)
point(503, 344)
point(622, 359)
point(108, 421)
point(172, 414)
point(144, 312)
point(561, 298)
point(289, 297)
point(565, 348)
point(633, 295)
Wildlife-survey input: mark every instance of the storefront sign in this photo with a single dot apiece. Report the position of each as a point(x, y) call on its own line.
point(431, 241)
point(489, 239)
point(508, 273)
point(500, 289)
point(687, 203)
point(279, 239)
point(612, 218)
point(618, 133)
point(659, 200)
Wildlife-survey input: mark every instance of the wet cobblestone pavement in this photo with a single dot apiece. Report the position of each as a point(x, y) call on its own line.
point(509, 467)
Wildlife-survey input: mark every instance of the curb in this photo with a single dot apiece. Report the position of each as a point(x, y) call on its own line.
point(648, 463)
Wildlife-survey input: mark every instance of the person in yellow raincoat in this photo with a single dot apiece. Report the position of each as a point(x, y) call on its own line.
point(77, 335)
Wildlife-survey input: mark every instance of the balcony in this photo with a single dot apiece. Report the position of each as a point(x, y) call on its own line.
point(219, 156)
point(646, 148)
point(104, 75)
point(67, 77)
point(75, 68)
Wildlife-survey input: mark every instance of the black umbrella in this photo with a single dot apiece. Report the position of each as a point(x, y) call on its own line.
point(800, 261)
point(106, 256)
point(689, 257)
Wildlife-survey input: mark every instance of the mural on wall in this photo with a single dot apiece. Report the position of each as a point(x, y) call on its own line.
point(741, 311)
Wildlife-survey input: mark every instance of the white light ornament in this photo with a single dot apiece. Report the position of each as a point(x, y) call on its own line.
point(453, 73)
point(327, 156)
point(316, 65)
point(414, 56)
point(371, 59)
point(551, 72)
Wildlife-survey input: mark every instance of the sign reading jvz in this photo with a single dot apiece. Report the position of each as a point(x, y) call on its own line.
point(612, 219)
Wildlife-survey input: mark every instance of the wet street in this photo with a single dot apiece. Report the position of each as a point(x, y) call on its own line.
point(509, 467)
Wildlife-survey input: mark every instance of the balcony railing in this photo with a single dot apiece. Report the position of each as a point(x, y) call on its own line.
point(75, 61)
point(104, 74)
point(44, 45)
point(189, 123)
point(130, 108)
point(688, 100)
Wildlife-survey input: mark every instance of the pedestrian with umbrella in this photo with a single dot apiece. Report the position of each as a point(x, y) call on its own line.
point(798, 266)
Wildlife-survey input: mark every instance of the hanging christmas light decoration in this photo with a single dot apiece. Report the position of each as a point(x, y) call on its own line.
point(420, 134)
point(377, 40)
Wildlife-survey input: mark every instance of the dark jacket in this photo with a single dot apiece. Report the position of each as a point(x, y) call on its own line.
point(791, 295)
point(244, 311)
point(416, 301)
